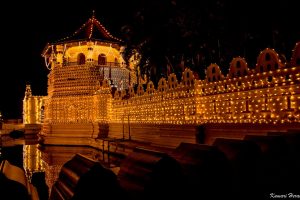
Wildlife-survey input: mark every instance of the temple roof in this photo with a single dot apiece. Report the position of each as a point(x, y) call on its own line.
point(91, 30)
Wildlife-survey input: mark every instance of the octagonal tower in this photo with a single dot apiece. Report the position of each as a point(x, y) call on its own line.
point(78, 65)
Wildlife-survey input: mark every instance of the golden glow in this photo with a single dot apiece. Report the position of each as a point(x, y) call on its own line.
point(77, 94)
point(33, 112)
point(92, 51)
point(32, 160)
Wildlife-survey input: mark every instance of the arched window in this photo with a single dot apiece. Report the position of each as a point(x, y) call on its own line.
point(270, 78)
point(238, 64)
point(65, 61)
point(213, 70)
point(261, 69)
point(101, 59)
point(268, 57)
point(298, 61)
point(81, 59)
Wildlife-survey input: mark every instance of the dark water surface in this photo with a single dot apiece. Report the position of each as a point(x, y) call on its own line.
point(42, 164)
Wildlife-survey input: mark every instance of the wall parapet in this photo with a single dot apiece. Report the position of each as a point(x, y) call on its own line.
point(269, 93)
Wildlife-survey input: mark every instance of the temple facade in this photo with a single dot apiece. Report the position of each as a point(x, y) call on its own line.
point(78, 66)
point(91, 94)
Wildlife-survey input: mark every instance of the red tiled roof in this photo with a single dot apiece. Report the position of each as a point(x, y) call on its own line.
point(92, 29)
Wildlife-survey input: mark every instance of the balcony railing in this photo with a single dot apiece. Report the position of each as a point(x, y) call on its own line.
point(107, 64)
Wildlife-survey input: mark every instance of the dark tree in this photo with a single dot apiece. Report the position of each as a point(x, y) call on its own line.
point(174, 34)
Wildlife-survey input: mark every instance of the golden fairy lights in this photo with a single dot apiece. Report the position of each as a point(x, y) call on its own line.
point(77, 94)
point(267, 94)
point(33, 112)
point(78, 89)
point(32, 159)
point(89, 27)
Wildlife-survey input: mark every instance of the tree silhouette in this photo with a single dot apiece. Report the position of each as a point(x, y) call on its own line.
point(174, 34)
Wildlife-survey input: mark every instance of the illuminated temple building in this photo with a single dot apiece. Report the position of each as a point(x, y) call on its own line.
point(91, 95)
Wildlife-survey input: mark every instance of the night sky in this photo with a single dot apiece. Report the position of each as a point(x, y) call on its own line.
point(27, 27)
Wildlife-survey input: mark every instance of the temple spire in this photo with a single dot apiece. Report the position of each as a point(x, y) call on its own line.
point(92, 29)
point(93, 15)
point(28, 92)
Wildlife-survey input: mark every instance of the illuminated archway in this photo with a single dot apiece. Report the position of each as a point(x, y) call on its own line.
point(81, 59)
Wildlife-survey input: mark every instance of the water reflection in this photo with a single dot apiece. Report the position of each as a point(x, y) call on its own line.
point(42, 164)
point(53, 157)
point(32, 161)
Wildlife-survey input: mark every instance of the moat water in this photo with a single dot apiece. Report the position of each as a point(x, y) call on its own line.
point(42, 164)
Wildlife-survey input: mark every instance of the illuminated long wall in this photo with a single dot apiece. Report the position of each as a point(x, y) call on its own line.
point(256, 98)
point(267, 94)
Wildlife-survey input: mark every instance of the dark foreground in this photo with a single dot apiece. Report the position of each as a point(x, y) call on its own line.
point(257, 167)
